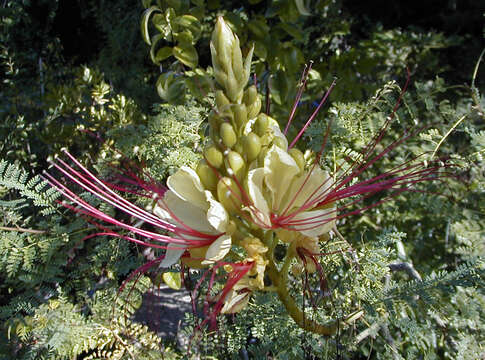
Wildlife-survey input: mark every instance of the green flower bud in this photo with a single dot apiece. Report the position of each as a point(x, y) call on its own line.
point(240, 115)
point(221, 99)
point(222, 42)
point(262, 124)
point(238, 148)
point(254, 109)
point(228, 135)
point(233, 90)
point(207, 175)
point(236, 164)
point(250, 95)
point(213, 156)
point(297, 155)
point(252, 146)
point(229, 195)
point(230, 71)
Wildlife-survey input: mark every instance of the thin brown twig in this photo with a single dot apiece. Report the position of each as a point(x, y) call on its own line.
point(19, 229)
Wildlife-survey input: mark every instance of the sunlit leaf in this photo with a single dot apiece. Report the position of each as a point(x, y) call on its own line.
point(189, 23)
point(172, 279)
point(187, 54)
point(163, 54)
point(155, 40)
point(302, 9)
point(144, 23)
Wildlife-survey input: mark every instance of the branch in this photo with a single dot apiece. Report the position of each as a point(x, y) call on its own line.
point(407, 267)
point(19, 229)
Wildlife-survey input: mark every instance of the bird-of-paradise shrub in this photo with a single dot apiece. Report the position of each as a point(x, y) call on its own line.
point(257, 207)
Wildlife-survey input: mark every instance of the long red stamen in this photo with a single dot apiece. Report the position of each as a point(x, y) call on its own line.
point(303, 80)
point(98, 188)
point(312, 116)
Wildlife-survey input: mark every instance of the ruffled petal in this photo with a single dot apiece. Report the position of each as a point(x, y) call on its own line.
point(218, 249)
point(260, 210)
point(305, 188)
point(181, 212)
point(185, 183)
point(217, 214)
point(280, 169)
point(172, 255)
point(315, 222)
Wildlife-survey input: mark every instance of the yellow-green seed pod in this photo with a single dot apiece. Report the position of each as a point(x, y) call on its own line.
point(213, 156)
point(236, 164)
point(254, 108)
point(207, 176)
point(240, 115)
point(250, 95)
point(262, 124)
point(297, 155)
point(228, 135)
point(252, 146)
point(233, 89)
point(229, 195)
point(221, 99)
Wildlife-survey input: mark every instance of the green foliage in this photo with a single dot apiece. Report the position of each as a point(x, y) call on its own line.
point(14, 178)
point(167, 141)
point(65, 331)
point(59, 292)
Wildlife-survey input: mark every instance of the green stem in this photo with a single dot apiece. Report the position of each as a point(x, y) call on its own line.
point(280, 282)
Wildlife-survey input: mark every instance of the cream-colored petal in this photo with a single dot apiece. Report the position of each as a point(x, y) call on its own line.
point(217, 250)
point(305, 188)
point(160, 211)
point(259, 267)
point(260, 210)
point(182, 212)
point(217, 214)
point(235, 302)
point(318, 222)
point(253, 246)
point(185, 183)
point(280, 170)
point(172, 255)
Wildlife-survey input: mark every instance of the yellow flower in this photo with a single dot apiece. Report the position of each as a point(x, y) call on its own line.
point(189, 206)
point(286, 197)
